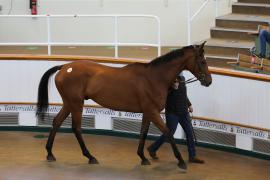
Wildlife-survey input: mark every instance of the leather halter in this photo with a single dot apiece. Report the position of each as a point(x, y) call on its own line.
point(201, 75)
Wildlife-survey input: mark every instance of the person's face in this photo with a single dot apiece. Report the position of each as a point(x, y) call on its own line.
point(176, 83)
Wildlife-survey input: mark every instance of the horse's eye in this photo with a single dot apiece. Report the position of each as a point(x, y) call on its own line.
point(203, 62)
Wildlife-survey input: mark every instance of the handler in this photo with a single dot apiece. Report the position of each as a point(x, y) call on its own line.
point(177, 111)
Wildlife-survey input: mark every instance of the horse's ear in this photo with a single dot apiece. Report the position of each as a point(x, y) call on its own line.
point(201, 47)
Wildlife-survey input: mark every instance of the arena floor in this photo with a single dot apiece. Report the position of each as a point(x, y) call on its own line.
point(22, 156)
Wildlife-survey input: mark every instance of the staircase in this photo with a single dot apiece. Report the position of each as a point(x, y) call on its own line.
point(230, 36)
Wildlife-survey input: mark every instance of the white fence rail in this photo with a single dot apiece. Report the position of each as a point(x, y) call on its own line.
point(116, 42)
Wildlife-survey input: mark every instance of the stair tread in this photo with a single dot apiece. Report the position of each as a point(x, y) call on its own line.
point(234, 30)
point(241, 44)
point(252, 4)
point(245, 17)
point(229, 43)
point(222, 56)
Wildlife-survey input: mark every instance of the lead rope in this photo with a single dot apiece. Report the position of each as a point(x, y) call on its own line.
point(190, 80)
point(194, 135)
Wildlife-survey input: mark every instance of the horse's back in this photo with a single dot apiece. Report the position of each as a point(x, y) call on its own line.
point(92, 70)
point(111, 87)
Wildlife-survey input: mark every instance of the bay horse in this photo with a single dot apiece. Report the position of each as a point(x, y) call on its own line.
point(137, 87)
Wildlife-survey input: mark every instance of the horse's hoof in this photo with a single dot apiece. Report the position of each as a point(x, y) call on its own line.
point(182, 165)
point(51, 158)
point(145, 162)
point(93, 161)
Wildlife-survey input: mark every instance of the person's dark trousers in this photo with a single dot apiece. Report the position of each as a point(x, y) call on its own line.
point(172, 121)
point(264, 37)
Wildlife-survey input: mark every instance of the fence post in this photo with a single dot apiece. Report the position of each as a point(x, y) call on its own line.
point(116, 37)
point(188, 22)
point(49, 34)
point(159, 38)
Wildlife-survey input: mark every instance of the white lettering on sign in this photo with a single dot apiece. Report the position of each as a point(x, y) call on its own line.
point(251, 132)
point(96, 111)
point(210, 125)
point(230, 129)
point(54, 109)
point(197, 123)
point(18, 108)
point(133, 115)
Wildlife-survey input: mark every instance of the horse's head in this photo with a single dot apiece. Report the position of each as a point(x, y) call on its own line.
point(197, 65)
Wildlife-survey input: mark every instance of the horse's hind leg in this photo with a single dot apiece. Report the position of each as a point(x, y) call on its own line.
point(76, 128)
point(58, 120)
point(143, 135)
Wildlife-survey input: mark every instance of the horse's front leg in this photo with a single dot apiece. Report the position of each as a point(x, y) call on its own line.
point(143, 135)
point(157, 120)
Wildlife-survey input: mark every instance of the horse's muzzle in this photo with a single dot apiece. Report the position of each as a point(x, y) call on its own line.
point(206, 83)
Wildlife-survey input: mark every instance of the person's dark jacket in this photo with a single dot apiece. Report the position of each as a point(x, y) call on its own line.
point(177, 101)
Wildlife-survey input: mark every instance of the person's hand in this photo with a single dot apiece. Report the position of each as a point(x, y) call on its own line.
point(190, 109)
point(260, 27)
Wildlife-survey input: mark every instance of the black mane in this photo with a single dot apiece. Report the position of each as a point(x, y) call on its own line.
point(169, 56)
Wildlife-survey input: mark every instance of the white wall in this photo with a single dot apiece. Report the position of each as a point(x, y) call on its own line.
point(172, 13)
point(233, 99)
point(228, 98)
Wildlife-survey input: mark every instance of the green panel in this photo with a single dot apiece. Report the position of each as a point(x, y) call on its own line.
point(239, 68)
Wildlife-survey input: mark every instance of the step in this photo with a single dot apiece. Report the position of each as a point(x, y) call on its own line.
point(248, 65)
point(255, 1)
point(227, 47)
point(229, 43)
point(220, 60)
point(231, 33)
point(251, 8)
point(242, 21)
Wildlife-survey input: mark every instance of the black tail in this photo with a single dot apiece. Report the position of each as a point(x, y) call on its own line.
point(43, 100)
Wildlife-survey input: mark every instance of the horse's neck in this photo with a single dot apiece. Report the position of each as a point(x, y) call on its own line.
point(167, 72)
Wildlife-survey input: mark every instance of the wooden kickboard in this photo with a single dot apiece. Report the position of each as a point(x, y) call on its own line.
point(248, 65)
point(255, 63)
point(266, 68)
point(249, 59)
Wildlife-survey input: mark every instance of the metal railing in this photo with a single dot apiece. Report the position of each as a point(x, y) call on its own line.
point(190, 17)
point(116, 42)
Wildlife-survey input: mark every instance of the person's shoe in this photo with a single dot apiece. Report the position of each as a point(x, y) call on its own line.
point(152, 153)
point(259, 55)
point(196, 160)
point(253, 52)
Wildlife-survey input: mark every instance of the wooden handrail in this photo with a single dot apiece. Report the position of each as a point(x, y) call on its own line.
point(239, 74)
point(194, 117)
point(214, 70)
point(42, 57)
